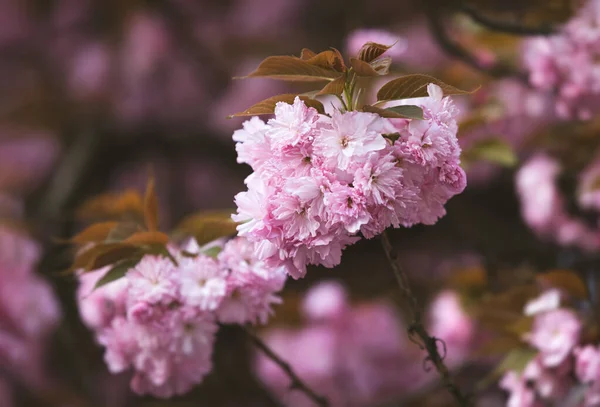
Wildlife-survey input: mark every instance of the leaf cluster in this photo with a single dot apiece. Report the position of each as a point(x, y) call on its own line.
point(125, 228)
point(332, 75)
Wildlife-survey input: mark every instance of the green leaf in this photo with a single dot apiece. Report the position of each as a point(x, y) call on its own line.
point(122, 231)
point(117, 271)
point(371, 51)
point(493, 149)
point(408, 111)
point(517, 359)
point(213, 251)
point(396, 112)
point(414, 86)
point(207, 226)
point(267, 106)
point(293, 69)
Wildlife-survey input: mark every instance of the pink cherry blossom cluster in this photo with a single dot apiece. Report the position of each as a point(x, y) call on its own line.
point(567, 63)
point(544, 208)
point(320, 180)
point(359, 354)
point(161, 318)
point(564, 371)
point(29, 311)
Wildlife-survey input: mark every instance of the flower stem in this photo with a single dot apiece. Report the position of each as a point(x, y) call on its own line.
point(417, 328)
point(296, 383)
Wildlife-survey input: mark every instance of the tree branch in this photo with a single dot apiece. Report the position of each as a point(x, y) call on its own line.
point(417, 328)
point(297, 383)
point(509, 28)
point(457, 51)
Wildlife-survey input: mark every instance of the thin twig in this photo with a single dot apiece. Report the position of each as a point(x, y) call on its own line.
point(457, 51)
point(297, 383)
point(506, 27)
point(416, 327)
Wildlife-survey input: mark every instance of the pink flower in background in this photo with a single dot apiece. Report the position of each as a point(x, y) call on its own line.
point(354, 354)
point(325, 301)
point(567, 63)
point(26, 158)
point(543, 207)
point(555, 333)
point(449, 322)
point(521, 395)
point(587, 364)
point(29, 310)
point(160, 319)
point(320, 180)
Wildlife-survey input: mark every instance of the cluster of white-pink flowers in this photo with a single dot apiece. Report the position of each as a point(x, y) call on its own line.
point(564, 370)
point(161, 318)
point(358, 354)
point(544, 207)
point(318, 180)
point(567, 63)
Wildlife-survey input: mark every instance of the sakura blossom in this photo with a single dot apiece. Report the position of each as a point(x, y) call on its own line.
point(320, 181)
point(160, 319)
point(566, 63)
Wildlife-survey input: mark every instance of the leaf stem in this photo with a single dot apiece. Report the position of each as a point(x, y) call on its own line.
point(296, 382)
point(416, 328)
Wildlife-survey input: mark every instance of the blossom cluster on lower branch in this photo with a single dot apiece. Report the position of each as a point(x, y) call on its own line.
point(319, 180)
point(565, 369)
point(161, 318)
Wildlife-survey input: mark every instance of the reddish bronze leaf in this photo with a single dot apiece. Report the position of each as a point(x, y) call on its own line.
point(98, 232)
point(371, 51)
point(293, 69)
point(267, 106)
point(328, 60)
point(85, 258)
point(567, 280)
point(151, 206)
point(335, 87)
point(112, 206)
point(339, 64)
point(362, 68)
point(414, 86)
point(307, 54)
point(147, 238)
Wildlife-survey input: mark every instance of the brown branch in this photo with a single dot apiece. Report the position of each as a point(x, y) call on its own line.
point(506, 27)
point(456, 50)
point(417, 328)
point(297, 383)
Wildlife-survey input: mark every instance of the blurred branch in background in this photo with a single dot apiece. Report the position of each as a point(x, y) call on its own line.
point(417, 327)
